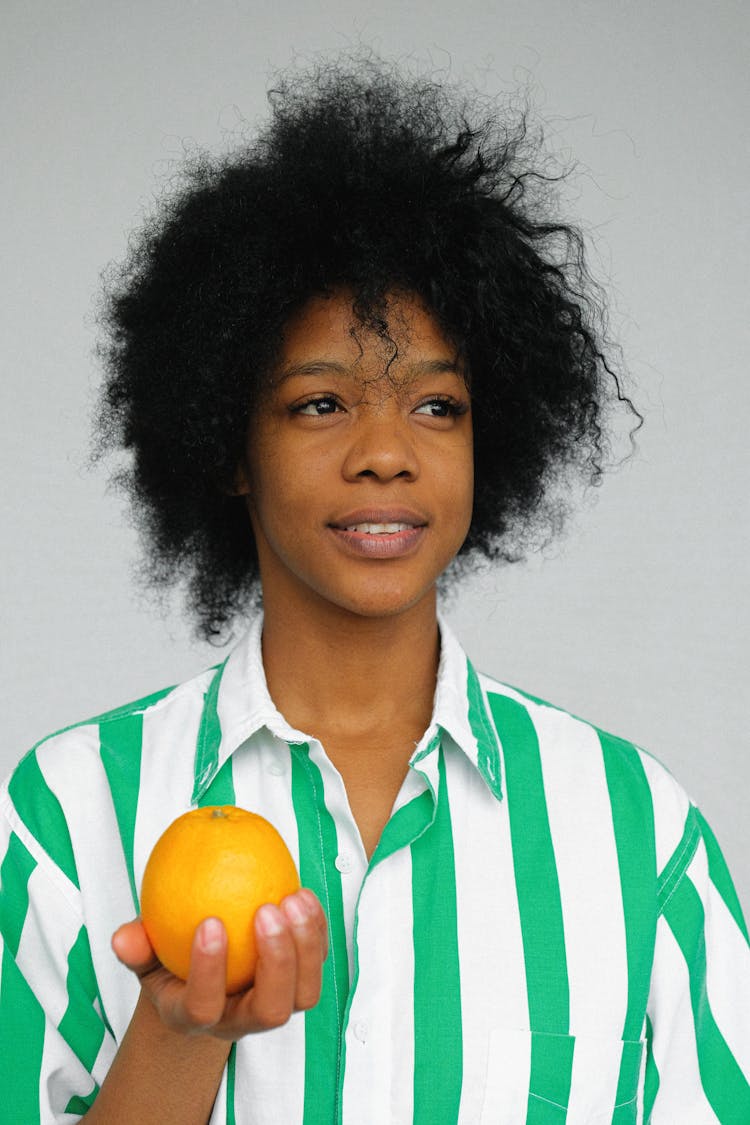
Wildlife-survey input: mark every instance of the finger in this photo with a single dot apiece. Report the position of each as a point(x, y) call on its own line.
point(271, 1001)
point(204, 997)
point(131, 946)
point(309, 933)
point(319, 918)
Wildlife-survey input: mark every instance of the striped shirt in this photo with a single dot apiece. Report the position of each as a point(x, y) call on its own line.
point(546, 932)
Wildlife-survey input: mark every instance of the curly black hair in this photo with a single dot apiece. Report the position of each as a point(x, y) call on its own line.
point(371, 180)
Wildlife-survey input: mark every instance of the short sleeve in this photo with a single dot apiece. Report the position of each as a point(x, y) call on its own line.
point(698, 1025)
point(55, 1045)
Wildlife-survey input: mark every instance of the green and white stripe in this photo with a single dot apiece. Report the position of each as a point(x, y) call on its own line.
point(547, 932)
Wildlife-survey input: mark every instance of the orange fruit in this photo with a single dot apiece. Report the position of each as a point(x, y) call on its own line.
point(220, 862)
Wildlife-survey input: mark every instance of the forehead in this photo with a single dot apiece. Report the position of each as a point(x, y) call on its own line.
point(326, 335)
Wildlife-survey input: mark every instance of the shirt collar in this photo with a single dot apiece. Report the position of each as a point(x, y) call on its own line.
point(237, 705)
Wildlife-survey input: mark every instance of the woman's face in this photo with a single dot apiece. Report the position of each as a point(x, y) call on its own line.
point(358, 471)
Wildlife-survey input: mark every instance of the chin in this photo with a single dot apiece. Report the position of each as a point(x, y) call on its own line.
point(384, 603)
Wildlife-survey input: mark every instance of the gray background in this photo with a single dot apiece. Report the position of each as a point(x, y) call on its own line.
point(637, 617)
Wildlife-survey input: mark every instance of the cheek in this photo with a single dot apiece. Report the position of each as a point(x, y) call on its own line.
point(458, 481)
point(465, 506)
point(284, 489)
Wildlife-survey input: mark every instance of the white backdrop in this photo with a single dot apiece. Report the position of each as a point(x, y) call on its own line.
point(637, 618)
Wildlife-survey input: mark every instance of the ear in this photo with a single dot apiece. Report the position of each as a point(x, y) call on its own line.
point(241, 482)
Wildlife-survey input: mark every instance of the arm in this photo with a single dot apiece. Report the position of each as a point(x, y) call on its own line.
point(160, 1075)
point(698, 1065)
point(171, 1060)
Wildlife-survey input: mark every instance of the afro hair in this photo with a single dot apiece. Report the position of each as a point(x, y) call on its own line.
point(373, 181)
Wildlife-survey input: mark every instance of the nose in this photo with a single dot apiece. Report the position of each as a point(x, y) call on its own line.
point(381, 448)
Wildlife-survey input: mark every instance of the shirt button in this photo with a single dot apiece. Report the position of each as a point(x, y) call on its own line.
point(276, 769)
point(361, 1029)
point(344, 863)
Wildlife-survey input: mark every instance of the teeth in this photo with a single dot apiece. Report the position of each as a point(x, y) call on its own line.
point(380, 528)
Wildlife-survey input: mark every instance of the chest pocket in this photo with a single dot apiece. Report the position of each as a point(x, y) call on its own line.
point(560, 1079)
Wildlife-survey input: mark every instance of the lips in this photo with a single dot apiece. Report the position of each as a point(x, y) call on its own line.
point(379, 533)
point(379, 521)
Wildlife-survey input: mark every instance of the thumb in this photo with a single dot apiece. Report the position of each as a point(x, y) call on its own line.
point(131, 946)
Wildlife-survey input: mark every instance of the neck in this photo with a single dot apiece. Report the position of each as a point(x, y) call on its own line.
point(336, 674)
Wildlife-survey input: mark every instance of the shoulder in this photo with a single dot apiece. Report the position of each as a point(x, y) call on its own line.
point(72, 774)
point(580, 762)
point(112, 726)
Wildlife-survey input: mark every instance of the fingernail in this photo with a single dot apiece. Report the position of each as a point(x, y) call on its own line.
point(296, 910)
point(269, 920)
point(211, 935)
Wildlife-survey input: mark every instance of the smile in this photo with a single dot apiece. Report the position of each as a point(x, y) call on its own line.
point(379, 535)
point(380, 528)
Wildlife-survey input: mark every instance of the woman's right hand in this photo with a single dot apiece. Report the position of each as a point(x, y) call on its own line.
point(292, 941)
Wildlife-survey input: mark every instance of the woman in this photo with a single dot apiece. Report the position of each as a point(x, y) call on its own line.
point(347, 361)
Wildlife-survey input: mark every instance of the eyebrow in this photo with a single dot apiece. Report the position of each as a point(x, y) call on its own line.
point(331, 367)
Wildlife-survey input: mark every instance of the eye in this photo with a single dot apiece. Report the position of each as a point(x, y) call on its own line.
point(439, 407)
point(316, 407)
